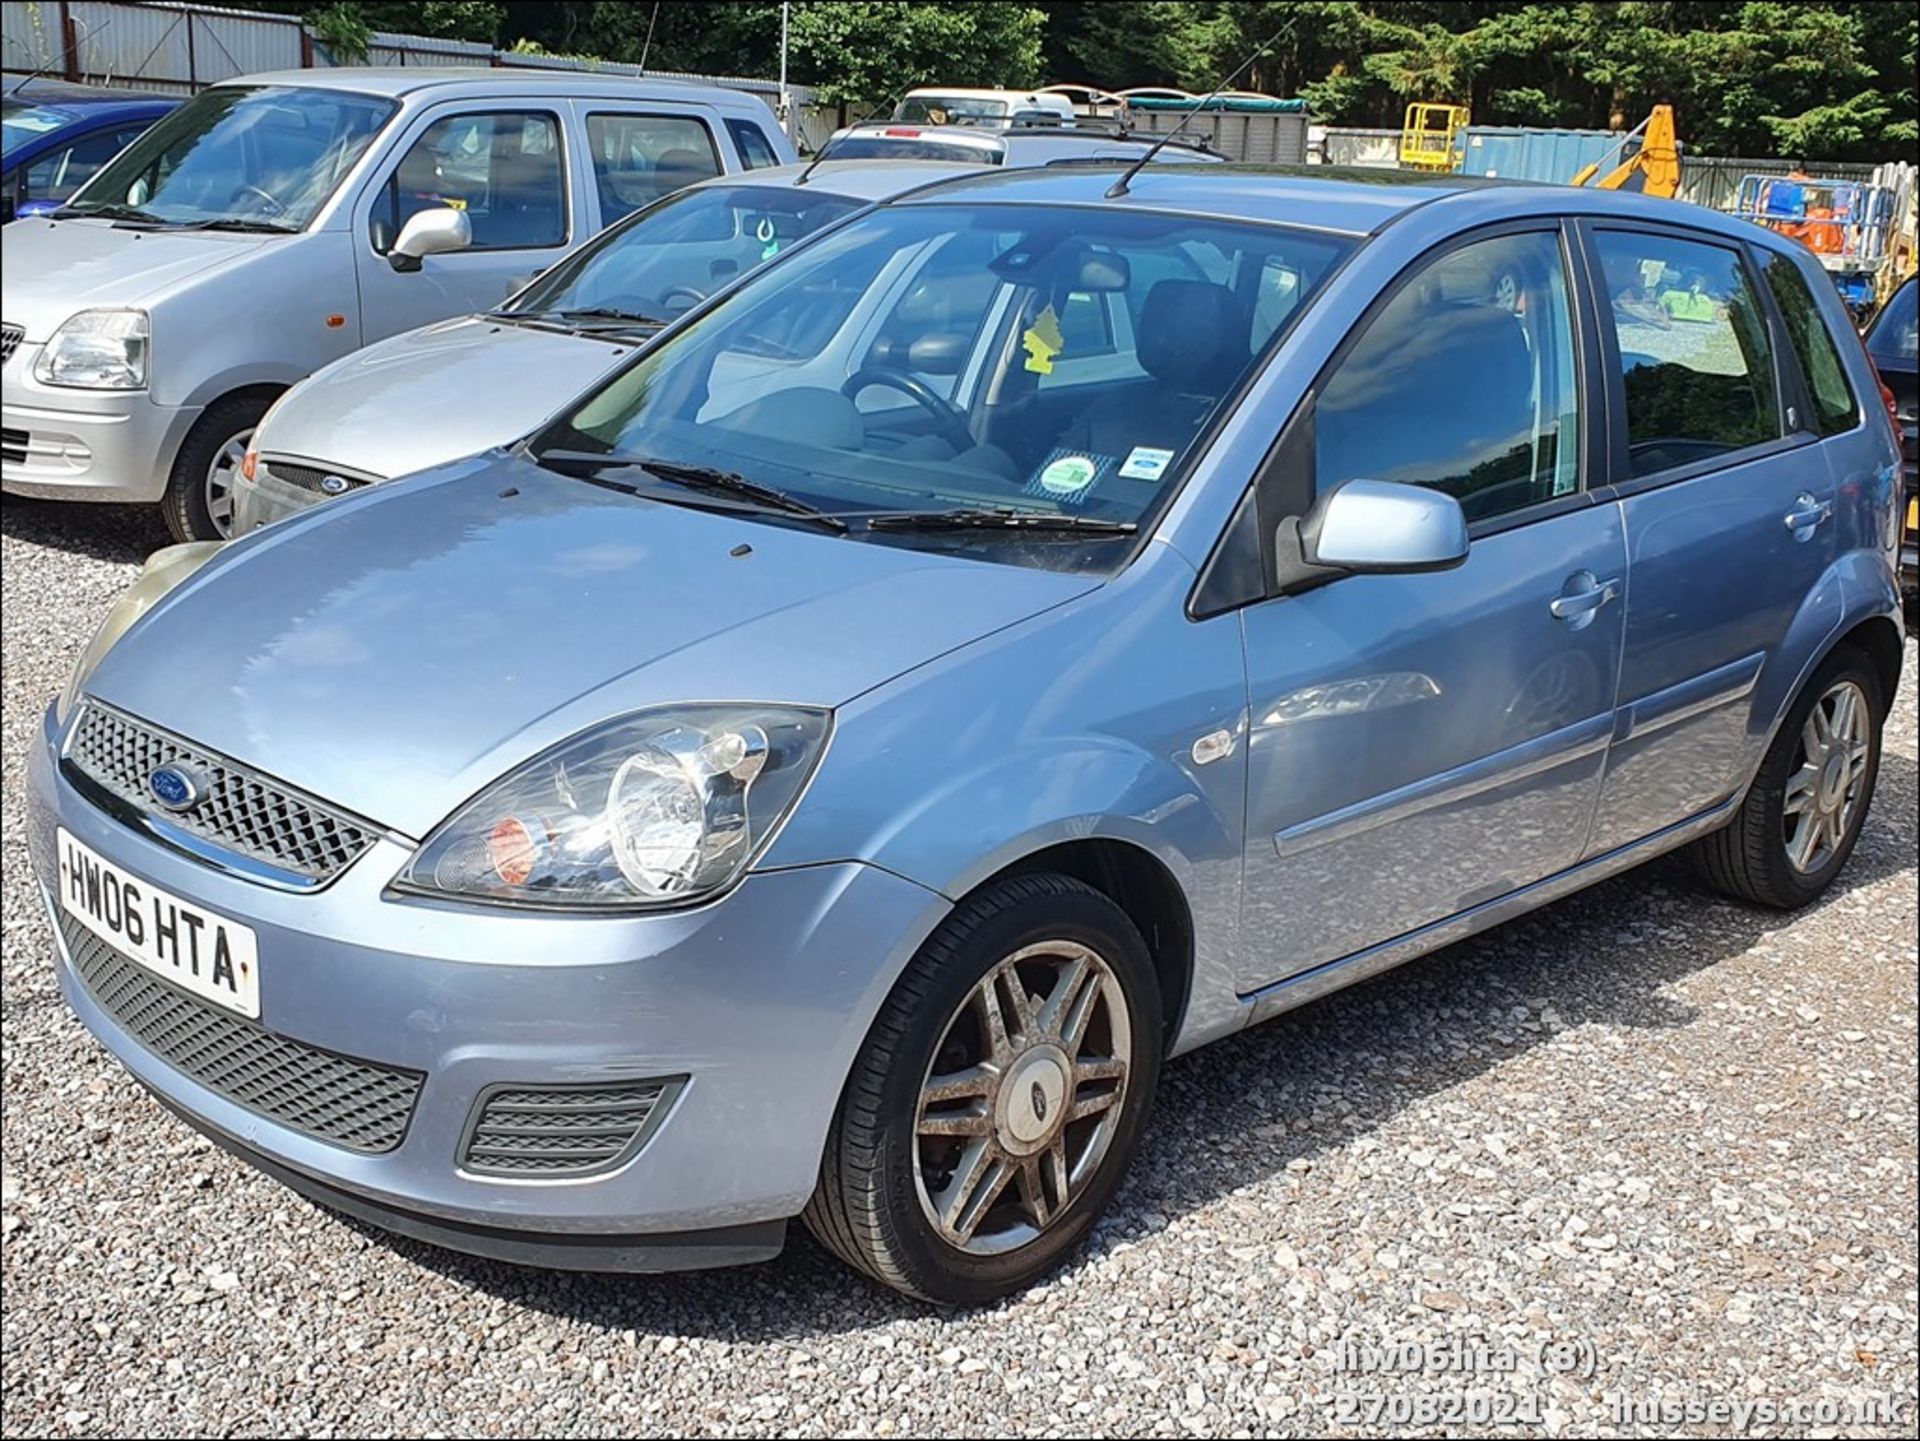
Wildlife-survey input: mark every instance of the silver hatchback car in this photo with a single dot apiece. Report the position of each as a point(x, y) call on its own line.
point(1035, 628)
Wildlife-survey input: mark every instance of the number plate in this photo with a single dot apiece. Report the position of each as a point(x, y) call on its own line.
point(209, 955)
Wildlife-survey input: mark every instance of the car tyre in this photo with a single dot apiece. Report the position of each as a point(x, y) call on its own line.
point(886, 1179)
point(1768, 854)
point(218, 438)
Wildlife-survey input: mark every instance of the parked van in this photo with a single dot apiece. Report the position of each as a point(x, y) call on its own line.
point(275, 223)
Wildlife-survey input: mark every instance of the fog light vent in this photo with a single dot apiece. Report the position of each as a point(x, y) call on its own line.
point(520, 1130)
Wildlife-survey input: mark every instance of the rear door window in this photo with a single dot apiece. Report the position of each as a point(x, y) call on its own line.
point(1696, 363)
point(638, 159)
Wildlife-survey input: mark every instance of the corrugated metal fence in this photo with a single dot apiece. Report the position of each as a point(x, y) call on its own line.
point(181, 48)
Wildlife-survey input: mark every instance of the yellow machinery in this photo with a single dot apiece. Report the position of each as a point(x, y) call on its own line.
point(1426, 139)
point(1649, 159)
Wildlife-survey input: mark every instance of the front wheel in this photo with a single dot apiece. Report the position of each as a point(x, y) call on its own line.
point(1803, 814)
point(199, 501)
point(999, 1097)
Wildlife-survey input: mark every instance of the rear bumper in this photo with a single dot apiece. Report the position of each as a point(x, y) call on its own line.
point(64, 444)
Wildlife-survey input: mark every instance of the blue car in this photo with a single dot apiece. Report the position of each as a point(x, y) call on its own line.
point(56, 135)
point(1043, 624)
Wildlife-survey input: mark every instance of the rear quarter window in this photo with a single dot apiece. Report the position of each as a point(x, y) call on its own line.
point(1834, 408)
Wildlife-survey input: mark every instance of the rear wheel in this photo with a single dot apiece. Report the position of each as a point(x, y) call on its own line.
point(198, 504)
point(999, 1097)
point(1802, 816)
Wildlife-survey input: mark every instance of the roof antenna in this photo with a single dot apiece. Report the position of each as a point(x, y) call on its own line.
point(1119, 187)
point(821, 153)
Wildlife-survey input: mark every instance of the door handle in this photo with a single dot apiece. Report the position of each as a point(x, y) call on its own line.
point(1807, 515)
point(1577, 604)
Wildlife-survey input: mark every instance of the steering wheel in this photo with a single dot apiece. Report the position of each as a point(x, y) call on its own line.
point(279, 207)
point(949, 420)
point(687, 293)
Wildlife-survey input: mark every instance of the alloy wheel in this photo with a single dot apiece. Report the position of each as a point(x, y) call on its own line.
point(1023, 1097)
point(1829, 771)
point(220, 478)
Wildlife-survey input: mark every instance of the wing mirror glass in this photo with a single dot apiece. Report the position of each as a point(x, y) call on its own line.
point(431, 232)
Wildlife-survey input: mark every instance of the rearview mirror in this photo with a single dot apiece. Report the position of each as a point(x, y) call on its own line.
point(1371, 527)
point(431, 232)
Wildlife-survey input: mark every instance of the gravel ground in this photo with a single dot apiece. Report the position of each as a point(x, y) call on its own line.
point(1673, 1137)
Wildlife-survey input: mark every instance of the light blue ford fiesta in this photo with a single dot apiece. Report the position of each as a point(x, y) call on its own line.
point(1031, 630)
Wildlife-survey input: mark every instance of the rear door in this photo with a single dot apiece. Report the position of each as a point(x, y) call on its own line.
point(1423, 744)
point(1729, 509)
point(505, 165)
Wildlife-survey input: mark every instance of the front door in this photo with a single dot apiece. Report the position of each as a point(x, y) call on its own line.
point(507, 170)
point(1729, 517)
point(1421, 744)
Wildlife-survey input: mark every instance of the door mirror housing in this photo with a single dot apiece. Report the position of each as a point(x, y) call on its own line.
point(431, 232)
point(1370, 527)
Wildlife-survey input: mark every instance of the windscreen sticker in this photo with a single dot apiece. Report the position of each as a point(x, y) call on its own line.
point(1043, 341)
point(1146, 463)
point(1067, 477)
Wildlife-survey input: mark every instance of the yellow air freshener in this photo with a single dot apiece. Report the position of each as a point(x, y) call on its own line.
point(1043, 341)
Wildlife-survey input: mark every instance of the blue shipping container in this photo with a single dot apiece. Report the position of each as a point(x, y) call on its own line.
point(1523, 153)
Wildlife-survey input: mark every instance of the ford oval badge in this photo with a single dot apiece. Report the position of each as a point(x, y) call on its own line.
point(335, 484)
point(177, 787)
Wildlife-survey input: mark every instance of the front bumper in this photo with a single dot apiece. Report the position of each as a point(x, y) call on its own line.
point(760, 1000)
point(67, 444)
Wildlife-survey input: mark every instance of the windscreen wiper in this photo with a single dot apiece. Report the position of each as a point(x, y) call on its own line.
point(605, 313)
point(1006, 521)
point(245, 227)
point(110, 211)
point(707, 479)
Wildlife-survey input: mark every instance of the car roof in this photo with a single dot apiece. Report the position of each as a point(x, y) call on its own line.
point(854, 179)
point(1349, 200)
point(61, 95)
point(1353, 201)
point(396, 81)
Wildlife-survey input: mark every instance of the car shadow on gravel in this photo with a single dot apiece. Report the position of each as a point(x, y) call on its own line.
point(116, 533)
point(1294, 1089)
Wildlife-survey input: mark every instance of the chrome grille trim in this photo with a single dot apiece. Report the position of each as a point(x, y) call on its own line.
point(244, 812)
point(352, 1103)
point(10, 338)
point(310, 477)
point(537, 1131)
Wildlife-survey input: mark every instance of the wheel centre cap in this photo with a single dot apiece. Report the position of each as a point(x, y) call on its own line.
point(1033, 1099)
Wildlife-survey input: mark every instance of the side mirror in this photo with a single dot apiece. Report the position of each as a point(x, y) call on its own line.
point(431, 232)
point(1370, 527)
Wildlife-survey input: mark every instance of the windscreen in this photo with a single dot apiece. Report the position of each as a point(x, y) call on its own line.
point(1896, 329)
point(916, 147)
point(672, 255)
point(950, 109)
point(1050, 361)
point(268, 155)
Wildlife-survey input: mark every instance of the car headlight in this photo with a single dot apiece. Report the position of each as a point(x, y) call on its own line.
point(658, 808)
point(164, 570)
point(98, 350)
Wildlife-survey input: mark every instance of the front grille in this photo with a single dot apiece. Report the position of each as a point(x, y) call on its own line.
point(312, 477)
point(242, 811)
point(562, 1130)
point(355, 1104)
point(13, 445)
point(10, 338)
